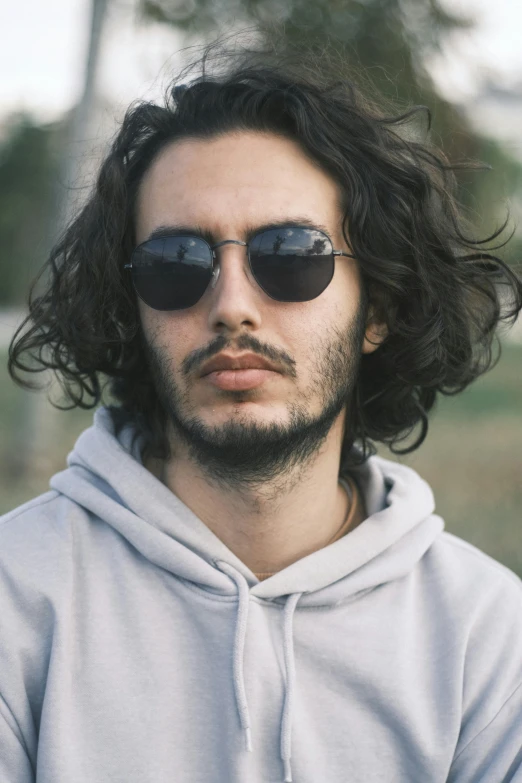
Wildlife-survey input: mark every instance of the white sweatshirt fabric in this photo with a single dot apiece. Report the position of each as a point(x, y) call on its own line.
point(135, 647)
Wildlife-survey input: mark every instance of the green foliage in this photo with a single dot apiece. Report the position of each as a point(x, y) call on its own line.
point(27, 173)
point(388, 37)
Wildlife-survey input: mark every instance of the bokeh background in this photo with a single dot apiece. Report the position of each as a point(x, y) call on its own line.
point(70, 68)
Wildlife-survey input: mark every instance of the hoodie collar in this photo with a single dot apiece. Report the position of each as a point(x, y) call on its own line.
point(106, 476)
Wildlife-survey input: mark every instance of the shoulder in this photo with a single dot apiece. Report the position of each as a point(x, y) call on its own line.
point(483, 603)
point(464, 566)
point(36, 543)
point(480, 599)
point(32, 519)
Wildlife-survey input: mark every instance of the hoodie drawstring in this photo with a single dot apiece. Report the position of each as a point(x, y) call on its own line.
point(286, 725)
point(239, 681)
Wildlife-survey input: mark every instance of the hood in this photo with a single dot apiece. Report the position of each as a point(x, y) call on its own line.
point(105, 475)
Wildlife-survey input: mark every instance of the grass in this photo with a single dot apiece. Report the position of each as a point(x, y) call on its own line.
point(472, 457)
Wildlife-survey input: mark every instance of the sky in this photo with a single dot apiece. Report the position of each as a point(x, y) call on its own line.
point(493, 48)
point(43, 48)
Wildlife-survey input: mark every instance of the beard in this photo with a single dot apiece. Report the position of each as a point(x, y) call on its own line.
point(241, 453)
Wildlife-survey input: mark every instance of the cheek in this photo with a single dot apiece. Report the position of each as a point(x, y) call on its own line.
point(308, 326)
point(148, 318)
point(170, 332)
point(333, 310)
point(300, 330)
point(345, 288)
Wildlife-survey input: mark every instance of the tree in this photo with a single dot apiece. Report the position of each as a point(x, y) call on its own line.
point(28, 170)
point(385, 44)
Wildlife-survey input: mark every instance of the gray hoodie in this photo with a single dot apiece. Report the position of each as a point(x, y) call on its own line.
point(135, 647)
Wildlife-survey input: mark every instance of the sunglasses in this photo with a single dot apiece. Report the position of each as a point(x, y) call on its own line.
point(290, 264)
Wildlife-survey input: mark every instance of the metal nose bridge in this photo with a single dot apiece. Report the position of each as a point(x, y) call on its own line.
point(228, 242)
point(217, 269)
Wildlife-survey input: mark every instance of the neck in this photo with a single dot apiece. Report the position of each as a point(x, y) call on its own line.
point(271, 526)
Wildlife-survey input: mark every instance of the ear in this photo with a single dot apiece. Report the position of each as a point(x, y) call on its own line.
point(375, 334)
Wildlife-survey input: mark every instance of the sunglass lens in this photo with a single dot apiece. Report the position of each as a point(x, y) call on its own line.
point(172, 273)
point(292, 264)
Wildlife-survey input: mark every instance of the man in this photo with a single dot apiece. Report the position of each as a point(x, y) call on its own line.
point(225, 584)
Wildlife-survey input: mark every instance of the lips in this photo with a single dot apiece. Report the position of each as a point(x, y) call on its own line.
point(247, 361)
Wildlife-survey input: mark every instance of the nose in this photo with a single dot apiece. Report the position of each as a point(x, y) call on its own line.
point(235, 298)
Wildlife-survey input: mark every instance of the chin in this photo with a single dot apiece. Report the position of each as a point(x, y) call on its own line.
point(245, 410)
point(253, 409)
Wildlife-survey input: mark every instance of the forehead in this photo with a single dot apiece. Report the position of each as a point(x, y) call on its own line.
point(238, 179)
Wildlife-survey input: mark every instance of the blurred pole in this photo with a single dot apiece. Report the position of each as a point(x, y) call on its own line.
point(43, 420)
point(82, 117)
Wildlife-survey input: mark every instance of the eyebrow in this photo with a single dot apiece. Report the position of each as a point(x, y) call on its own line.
point(175, 229)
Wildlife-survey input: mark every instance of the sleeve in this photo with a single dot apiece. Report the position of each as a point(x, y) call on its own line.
point(495, 754)
point(15, 765)
point(489, 749)
point(26, 637)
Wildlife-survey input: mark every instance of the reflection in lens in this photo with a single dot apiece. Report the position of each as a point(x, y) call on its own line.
point(292, 264)
point(172, 273)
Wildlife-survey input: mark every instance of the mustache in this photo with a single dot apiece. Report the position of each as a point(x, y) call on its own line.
point(244, 342)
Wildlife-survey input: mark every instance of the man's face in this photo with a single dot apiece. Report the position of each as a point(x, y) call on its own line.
point(227, 186)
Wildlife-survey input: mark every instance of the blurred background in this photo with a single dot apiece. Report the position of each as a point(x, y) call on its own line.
point(71, 67)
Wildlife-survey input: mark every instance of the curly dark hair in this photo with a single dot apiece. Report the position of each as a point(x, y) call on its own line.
point(440, 291)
